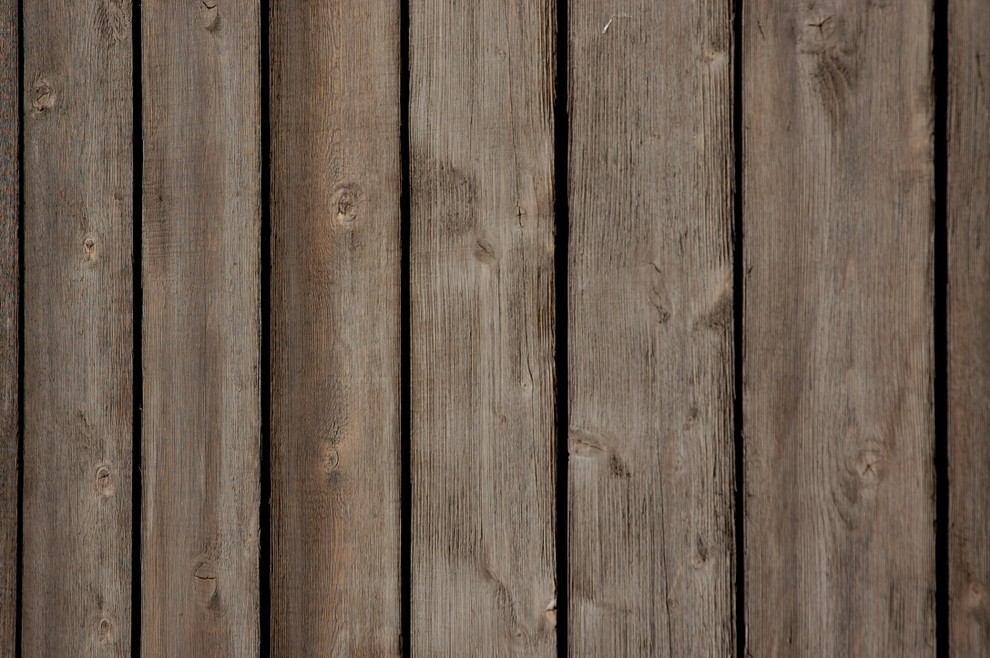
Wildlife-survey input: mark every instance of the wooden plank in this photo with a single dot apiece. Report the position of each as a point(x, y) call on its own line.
point(650, 329)
point(201, 329)
point(78, 250)
point(838, 182)
point(482, 286)
point(335, 303)
point(968, 200)
point(9, 311)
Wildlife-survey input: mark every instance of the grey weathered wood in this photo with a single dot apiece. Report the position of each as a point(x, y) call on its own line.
point(481, 251)
point(336, 319)
point(969, 326)
point(838, 183)
point(201, 331)
point(9, 305)
point(78, 173)
point(650, 328)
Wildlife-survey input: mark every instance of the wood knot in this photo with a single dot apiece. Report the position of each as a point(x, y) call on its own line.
point(112, 21)
point(347, 200)
point(104, 483)
point(659, 298)
point(550, 614)
point(485, 252)
point(701, 553)
point(103, 630)
point(205, 577)
point(329, 457)
point(42, 95)
point(973, 598)
point(868, 464)
point(89, 248)
point(209, 14)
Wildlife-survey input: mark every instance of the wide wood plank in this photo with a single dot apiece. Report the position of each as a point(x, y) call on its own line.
point(482, 286)
point(78, 432)
point(968, 207)
point(335, 304)
point(650, 329)
point(201, 278)
point(9, 311)
point(838, 182)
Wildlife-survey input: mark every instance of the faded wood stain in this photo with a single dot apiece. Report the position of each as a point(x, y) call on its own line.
point(201, 422)
point(78, 305)
point(481, 277)
point(838, 417)
point(335, 316)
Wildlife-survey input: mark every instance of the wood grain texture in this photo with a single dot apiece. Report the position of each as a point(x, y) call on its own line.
point(78, 228)
point(838, 184)
point(481, 260)
point(9, 310)
point(969, 318)
point(336, 321)
point(650, 328)
point(201, 330)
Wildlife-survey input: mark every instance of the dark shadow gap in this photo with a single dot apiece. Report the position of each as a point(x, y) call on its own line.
point(738, 277)
point(265, 511)
point(137, 376)
point(405, 401)
point(940, 69)
point(19, 599)
point(561, 241)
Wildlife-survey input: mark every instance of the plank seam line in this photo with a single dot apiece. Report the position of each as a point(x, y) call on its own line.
point(137, 374)
point(738, 345)
point(561, 240)
point(405, 340)
point(19, 577)
point(940, 89)
point(265, 324)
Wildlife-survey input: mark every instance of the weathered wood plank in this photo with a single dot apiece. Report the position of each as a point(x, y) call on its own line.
point(78, 185)
point(481, 252)
point(9, 310)
point(335, 303)
point(838, 182)
point(650, 328)
point(201, 279)
point(968, 321)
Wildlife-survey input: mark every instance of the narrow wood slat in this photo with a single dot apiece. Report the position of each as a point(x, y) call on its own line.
point(78, 180)
point(968, 322)
point(201, 349)
point(838, 182)
point(482, 286)
point(9, 311)
point(336, 321)
point(650, 327)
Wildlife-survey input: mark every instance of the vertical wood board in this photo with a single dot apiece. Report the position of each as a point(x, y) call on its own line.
point(968, 206)
point(336, 323)
point(482, 288)
point(78, 339)
point(838, 369)
point(201, 419)
point(651, 329)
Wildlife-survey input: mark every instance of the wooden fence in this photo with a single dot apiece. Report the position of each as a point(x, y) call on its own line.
point(494, 328)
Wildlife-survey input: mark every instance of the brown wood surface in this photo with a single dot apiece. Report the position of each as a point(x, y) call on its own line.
point(78, 180)
point(482, 287)
point(201, 332)
point(335, 316)
point(837, 221)
point(968, 199)
point(10, 185)
point(650, 327)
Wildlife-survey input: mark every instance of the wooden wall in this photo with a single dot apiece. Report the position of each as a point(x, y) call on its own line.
point(495, 328)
